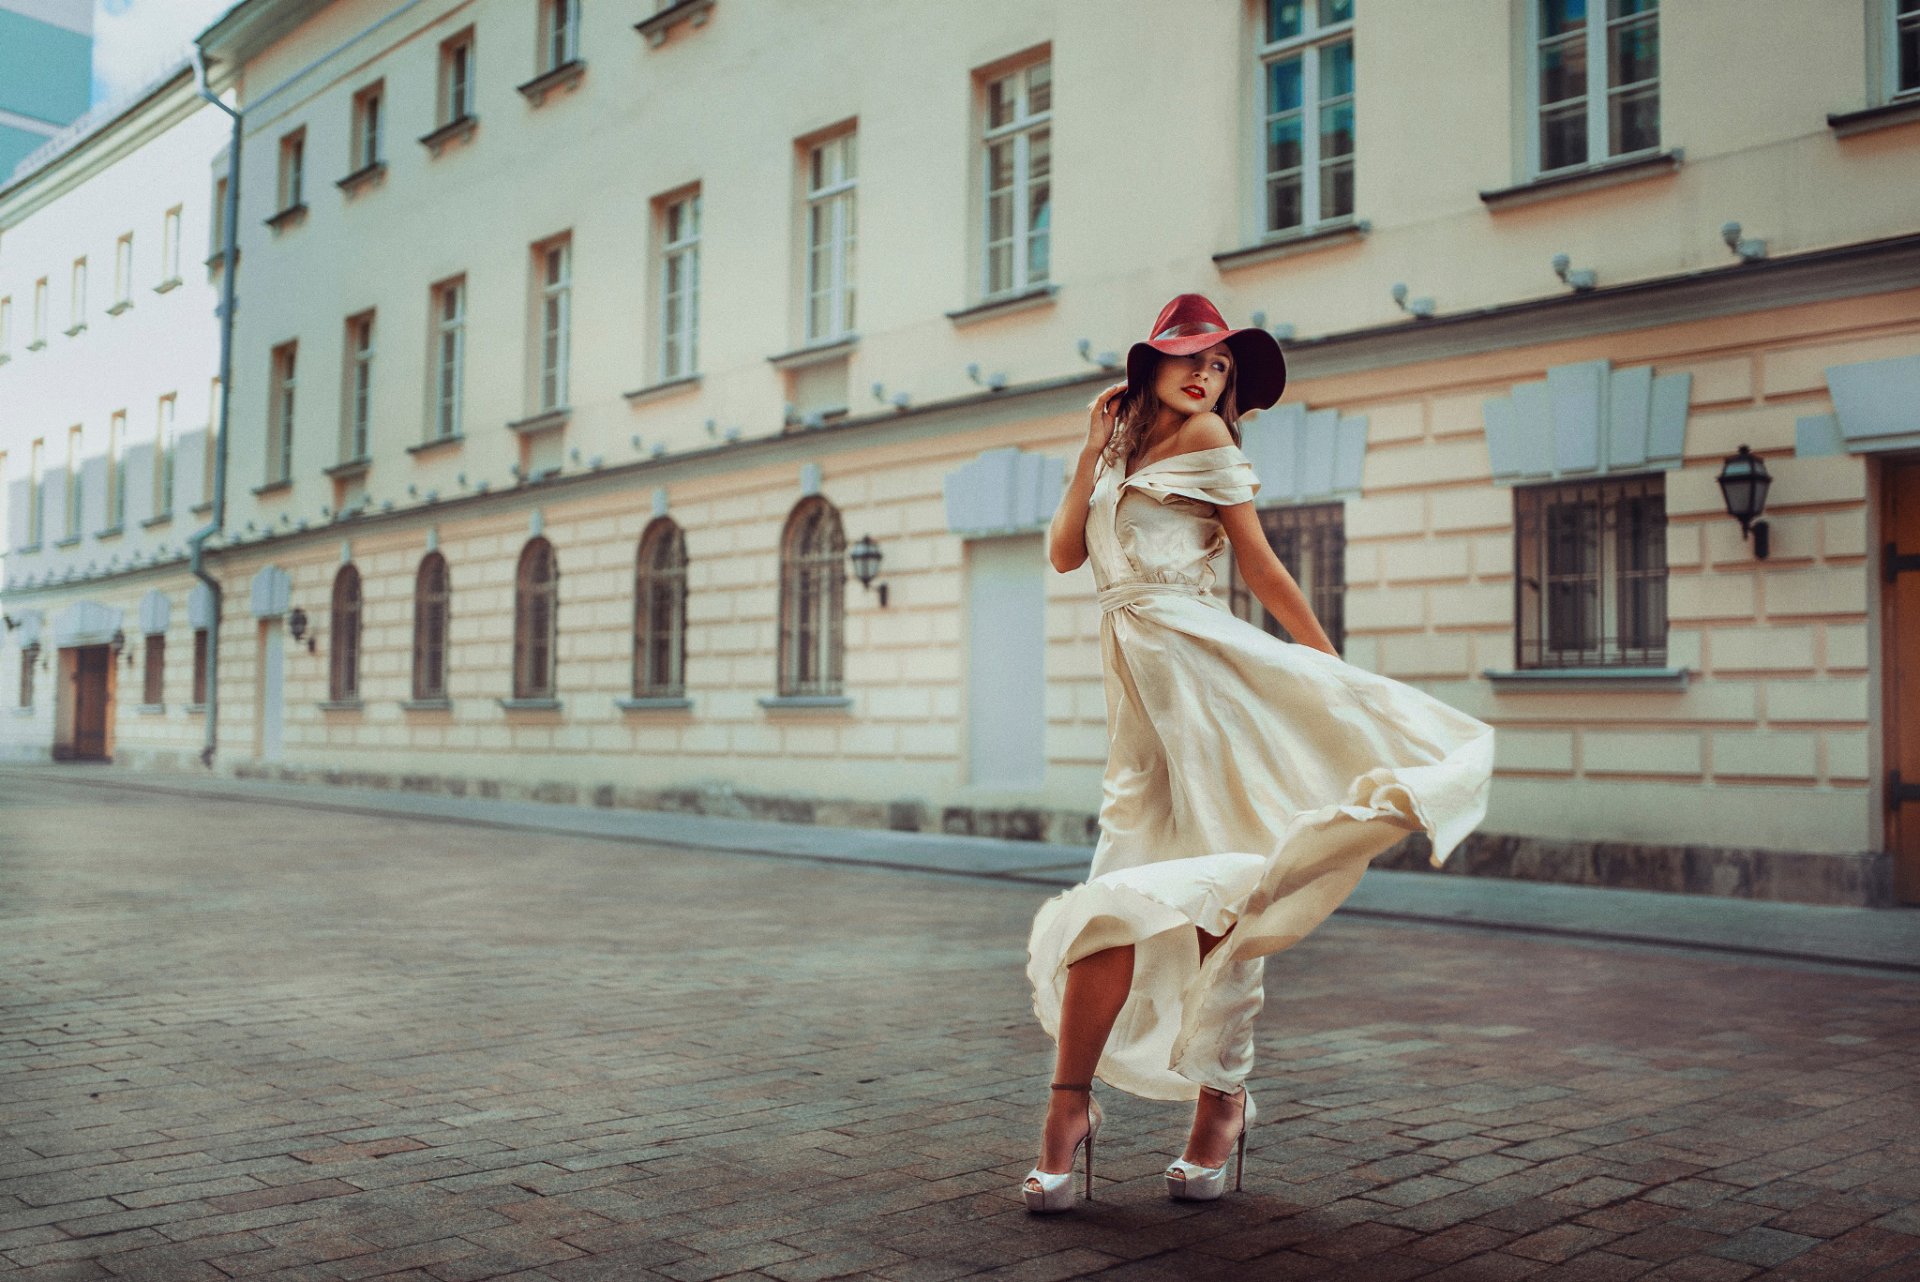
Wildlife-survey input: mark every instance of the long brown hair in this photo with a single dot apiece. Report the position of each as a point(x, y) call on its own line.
point(1138, 407)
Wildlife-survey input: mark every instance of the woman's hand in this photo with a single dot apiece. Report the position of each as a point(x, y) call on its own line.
point(1102, 415)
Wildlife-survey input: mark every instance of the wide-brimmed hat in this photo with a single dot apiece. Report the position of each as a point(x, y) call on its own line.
point(1189, 324)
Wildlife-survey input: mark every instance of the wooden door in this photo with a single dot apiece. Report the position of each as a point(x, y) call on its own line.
point(1900, 581)
point(90, 702)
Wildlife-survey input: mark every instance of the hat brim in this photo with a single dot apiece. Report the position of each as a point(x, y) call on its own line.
point(1260, 368)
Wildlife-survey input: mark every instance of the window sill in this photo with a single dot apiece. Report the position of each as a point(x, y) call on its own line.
point(651, 703)
point(201, 509)
point(1609, 173)
point(36, 344)
point(119, 307)
point(438, 443)
point(170, 283)
point(1305, 240)
point(196, 709)
point(272, 487)
point(4, 358)
point(662, 391)
point(564, 76)
point(291, 216)
point(27, 548)
point(71, 541)
point(426, 705)
point(111, 532)
point(365, 176)
point(157, 519)
point(340, 705)
point(152, 709)
point(70, 332)
point(1005, 305)
point(1901, 111)
point(782, 701)
point(1558, 679)
point(816, 353)
point(656, 28)
point(546, 421)
point(22, 712)
point(348, 470)
point(529, 705)
point(453, 131)
point(218, 259)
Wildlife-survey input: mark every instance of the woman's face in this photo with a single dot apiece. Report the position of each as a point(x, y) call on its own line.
point(1190, 384)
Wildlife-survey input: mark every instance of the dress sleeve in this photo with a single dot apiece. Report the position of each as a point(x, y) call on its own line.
point(1222, 477)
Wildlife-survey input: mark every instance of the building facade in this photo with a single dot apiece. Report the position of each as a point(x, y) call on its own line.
point(573, 401)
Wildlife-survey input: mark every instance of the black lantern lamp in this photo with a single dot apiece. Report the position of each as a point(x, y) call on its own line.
point(297, 625)
point(1743, 484)
point(866, 563)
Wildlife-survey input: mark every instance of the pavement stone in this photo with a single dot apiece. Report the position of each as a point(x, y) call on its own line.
point(246, 1035)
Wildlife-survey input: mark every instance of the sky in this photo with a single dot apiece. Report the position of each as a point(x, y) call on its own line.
point(135, 40)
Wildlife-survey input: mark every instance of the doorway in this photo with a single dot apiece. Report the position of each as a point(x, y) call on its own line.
point(269, 708)
point(92, 702)
point(1900, 582)
point(1006, 662)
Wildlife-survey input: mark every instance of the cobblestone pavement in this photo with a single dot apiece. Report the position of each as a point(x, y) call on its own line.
point(240, 1040)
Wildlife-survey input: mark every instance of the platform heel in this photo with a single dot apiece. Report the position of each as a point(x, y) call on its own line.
point(1047, 1191)
point(1191, 1182)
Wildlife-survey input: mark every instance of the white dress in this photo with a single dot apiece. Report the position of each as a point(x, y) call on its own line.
point(1249, 781)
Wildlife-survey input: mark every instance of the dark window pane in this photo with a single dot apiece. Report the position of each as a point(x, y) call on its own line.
point(1284, 85)
point(1336, 190)
point(1283, 204)
point(1563, 138)
point(1633, 54)
point(1336, 70)
point(1636, 121)
point(1560, 16)
point(1283, 19)
point(1563, 72)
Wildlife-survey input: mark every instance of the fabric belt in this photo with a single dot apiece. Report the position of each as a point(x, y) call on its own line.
point(1116, 595)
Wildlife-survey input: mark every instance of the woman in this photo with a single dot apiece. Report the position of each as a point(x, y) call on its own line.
point(1248, 780)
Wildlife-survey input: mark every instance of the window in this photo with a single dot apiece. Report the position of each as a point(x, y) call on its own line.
point(660, 612)
point(29, 660)
point(1017, 150)
point(449, 355)
point(553, 263)
point(199, 667)
point(366, 129)
point(117, 470)
point(77, 311)
point(210, 454)
point(76, 493)
point(1311, 542)
point(293, 150)
point(813, 574)
point(163, 455)
point(430, 602)
point(6, 327)
point(1306, 73)
point(39, 314)
point(559, 33)
point(355, 433)
point(280, 415)
point(1903, 35)
point(1590, 572)
point(535, 621)
point(153, 684)
point(679, 286)
point(36, 493)
point(456, 78)
point(218, 223)
point(123, 271)
point(1596, 83)
point(170, 245)
point(830, 238)
point(343, 650)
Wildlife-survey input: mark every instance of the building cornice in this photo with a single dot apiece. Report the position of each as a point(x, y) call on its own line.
point(248, 28)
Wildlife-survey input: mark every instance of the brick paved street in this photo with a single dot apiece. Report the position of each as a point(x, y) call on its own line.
point(261, 1041)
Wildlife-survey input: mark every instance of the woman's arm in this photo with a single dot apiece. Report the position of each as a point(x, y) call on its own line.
point(1067, 536)
point(1270, 580)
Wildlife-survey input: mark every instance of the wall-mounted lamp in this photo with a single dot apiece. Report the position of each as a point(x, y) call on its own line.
point(1105, 360)
point(1743, 484)
point(1419, 308)
point(297, 625)
point(1746, 249)
point(1580, 282)
point(119, 643)
point(866, 563)
point(992, 382)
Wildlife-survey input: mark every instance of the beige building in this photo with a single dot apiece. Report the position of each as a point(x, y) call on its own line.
point(580, 353)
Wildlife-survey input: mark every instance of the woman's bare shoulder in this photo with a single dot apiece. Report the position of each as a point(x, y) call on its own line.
point(1205, 431)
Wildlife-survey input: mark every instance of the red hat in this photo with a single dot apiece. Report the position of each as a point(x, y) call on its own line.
point(1192, 324)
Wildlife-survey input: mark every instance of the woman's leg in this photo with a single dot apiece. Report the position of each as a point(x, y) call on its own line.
point(1216, 1121)
point(1097, 987)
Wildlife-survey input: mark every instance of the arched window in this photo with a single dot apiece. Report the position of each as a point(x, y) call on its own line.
point(430, 629)
point(660, 612)
point(343, 683)
point(535, 622)
point(813, 576)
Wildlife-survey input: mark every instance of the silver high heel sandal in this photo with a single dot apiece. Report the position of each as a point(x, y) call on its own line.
point(1190, 1182)
point(1055, 1192)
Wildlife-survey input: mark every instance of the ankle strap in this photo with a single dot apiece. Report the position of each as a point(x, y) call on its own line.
point(1068, 1086)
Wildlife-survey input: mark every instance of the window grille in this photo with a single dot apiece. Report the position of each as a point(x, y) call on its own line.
point(431, 599)
point(660, 612)
point(1311, 542)
point(812, 601)
point(535, 621)
point(1590, 573)
point(344, 650)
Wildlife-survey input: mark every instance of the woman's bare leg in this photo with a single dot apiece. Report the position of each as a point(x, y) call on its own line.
point(1097, 987)
point(1216, 1121)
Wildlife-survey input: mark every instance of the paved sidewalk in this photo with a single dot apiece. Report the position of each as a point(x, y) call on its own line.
point(309, 1043)
point(1883, 939)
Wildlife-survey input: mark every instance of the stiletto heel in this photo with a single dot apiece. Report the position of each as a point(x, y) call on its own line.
point(1055, 1191)
point(1191, 1182)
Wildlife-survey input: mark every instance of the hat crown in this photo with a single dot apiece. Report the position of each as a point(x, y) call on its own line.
point(1189, 314)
